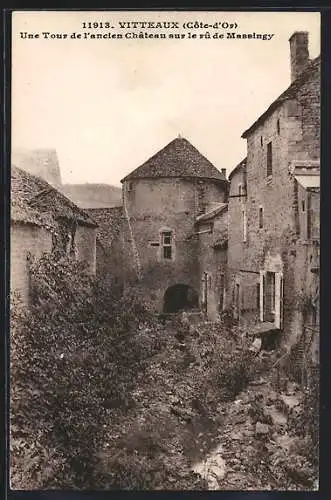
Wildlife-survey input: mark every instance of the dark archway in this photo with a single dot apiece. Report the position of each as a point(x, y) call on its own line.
point(180, 298)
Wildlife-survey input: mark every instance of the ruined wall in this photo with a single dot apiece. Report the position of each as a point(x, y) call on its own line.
point(160, 204)
point(24, 239)
point(86, 246)
point(109, 250)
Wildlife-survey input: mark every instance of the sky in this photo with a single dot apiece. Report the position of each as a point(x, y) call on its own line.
point(107, 105)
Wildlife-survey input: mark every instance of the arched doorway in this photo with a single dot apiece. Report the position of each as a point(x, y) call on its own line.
point(180, 298)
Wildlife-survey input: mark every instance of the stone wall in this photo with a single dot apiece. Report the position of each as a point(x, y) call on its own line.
point(293, 129)
point(86, 246)
point(26, 238)
point(154, 205)
point(212, 266)
point(109, 251)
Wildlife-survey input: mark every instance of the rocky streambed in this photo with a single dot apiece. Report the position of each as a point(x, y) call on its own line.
point(256, 449)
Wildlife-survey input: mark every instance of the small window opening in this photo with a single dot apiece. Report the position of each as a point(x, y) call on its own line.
point(278, 126)
point(269, 159)
point(244, 226)
point(261, 140)
point(167, 245)
point(303, 205)
point(129, 186)
point(261, 217)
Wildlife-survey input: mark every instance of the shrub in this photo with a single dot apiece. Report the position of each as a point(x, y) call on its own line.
point(70, 371)
point(233, 366)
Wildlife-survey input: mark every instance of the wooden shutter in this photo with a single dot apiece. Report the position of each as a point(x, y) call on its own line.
point(262, 294)
point(279, 292)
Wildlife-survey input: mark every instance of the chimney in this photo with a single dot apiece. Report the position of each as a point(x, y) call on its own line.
point(299, 53)
point(223, 170)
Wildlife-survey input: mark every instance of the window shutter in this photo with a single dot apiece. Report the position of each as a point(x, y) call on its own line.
point(279, 300)
point(262, 292)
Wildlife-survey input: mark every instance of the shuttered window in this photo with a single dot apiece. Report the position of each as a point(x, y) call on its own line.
point(271, 298)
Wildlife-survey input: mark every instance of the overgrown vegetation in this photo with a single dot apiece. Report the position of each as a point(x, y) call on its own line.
point(74, 356)
point(104, 396)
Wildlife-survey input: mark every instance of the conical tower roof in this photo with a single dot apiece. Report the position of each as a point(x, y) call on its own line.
point(178, 159)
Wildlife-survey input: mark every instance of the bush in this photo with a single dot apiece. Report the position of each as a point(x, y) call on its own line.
point(232, 364)
point(70, 372)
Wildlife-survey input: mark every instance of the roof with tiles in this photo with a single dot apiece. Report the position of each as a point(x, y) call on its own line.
point(21, 212)
point(289, 93)
point(178, 159)
point(241, 166)
point(109, 222)
point(34, 198)
point(212, 212)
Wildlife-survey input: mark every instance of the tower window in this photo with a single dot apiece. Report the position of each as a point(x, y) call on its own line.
point(278, 126)
point(269, 159)
point(167, 242)
point(130, 186)
point(261, 217)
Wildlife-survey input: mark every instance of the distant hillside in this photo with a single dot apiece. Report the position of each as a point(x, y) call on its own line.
point(93, 195)
point(43, 163)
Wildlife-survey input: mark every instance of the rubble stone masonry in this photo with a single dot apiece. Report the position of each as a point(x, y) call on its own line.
point(293, 130)
point(25, 239)
point(155, 205)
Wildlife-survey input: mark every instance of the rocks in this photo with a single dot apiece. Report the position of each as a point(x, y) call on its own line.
point(261, 430)
point(182, 413)
point(301, 474)
point(235, 435)
point(212, 470)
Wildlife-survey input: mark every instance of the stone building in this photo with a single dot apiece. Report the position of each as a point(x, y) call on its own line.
point(162, 202)
point(43, 220)
point(212, 232)
point(273, 243)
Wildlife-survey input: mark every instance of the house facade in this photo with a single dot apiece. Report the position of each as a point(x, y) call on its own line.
point(212, 233)
point(162, 200)
point(274, 208)
point(43, 220)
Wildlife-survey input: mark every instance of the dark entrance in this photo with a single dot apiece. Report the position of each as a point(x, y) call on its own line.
point(180, 298)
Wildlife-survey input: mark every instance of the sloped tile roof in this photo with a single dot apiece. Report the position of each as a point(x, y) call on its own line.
point(41, 200)
point(178, 159)
point(240, 166)
point(109, 222)
point(289, 93)
point(20, 211)
point(212, 212)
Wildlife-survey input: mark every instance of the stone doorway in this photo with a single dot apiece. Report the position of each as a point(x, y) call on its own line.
point(180, 298)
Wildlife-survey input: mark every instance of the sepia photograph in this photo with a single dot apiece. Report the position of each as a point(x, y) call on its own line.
point(165, 250)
